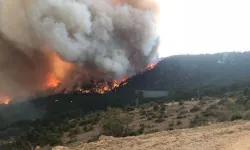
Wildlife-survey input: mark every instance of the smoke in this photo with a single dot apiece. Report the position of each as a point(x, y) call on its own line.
point(73, 40)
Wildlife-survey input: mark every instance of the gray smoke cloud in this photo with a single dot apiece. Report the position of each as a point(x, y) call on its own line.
point(96, 38)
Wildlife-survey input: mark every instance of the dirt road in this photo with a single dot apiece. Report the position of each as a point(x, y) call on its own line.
point(223, 136)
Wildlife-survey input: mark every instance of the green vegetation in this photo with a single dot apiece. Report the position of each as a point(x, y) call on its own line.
point(116, 123)
point(199, 120)
point(195, 109)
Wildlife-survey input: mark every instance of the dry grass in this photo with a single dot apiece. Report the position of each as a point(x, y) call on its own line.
point(222, 136)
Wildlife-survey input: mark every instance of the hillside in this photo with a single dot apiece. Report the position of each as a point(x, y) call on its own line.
point(191, 71)
point(222, 136)
point(222, 77)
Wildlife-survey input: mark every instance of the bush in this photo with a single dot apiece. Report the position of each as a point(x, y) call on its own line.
point(211, 111)
point(73, 140)
point(247, 116)
point(181, 103)
point(178, 122)
point(94, 139)
point(163, 108)
point(236, 116)
point(198, 121)
point(129, 108)
point(116, 123)
point(149, 118)
point(195, 109)
point(183, 112)
point(202, 102)
point(247, 105)
point(139, 131)
point(156, 107)
point(154, 116)
point(179, 117)
point(171, 124)
point(159, 120)
point(241, 101)
point(152, 131)
point(74, 131)
point(223, 116)
point(170, 128)
point(212, 107)
point(87, 128)
point(223, 102)
point(143, 112)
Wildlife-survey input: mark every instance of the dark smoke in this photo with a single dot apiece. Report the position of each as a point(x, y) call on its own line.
point(73, 40)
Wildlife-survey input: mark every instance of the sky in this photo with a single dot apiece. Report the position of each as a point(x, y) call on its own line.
point(204, 26)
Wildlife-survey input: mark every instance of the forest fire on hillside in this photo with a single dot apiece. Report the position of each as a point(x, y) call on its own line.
point(99, 87)
point(102, 87)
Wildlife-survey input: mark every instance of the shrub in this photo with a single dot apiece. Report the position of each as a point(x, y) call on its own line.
point(181, 103)
point(87, 128)
point(154, 116)
point(143, 112)
point(246, 92)
point(73, 140)
point(171, 124)
point(159, 120)
point(183, 112)
point(152, 131)
point(165, 116)
point(163, 108)
point(198, 121)
point(170, 128)
point(139, 131)
point(247, 105)
point(236, 116)
point(195, 109)
point(94, 139)
point(223, 102)
point(223, 116)
point(213, 106)
point(149, 118)
point(210, 112)
point(247, 115)
point(179, 117)
point(129, 108)
point(202, 102)
point(116, 123)
point(74, 131)
point(156, 107)
point(178, 122)
point(241, 100)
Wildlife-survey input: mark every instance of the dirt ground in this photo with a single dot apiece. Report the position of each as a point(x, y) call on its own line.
point(222, 136)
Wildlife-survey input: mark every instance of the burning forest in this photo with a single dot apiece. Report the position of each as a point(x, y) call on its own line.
point(66, 44)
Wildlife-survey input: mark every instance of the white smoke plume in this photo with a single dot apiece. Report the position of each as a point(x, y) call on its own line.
point(75, 40)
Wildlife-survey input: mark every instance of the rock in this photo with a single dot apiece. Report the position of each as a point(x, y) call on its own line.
point(38, 148)
point(60, 148)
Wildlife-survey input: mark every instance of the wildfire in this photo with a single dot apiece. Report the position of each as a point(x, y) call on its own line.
point(150, 66)
point(96, 87)
point(102, 87)
point(5, 99)
point(99, 87)
point(52, 82)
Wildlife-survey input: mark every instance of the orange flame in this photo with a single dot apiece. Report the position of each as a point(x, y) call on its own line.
point(150, 66)
point(52, 82)
point(5, 99)
point(104, 87)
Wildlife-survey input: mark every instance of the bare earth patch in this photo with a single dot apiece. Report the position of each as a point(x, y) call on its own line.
point(222, 136)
